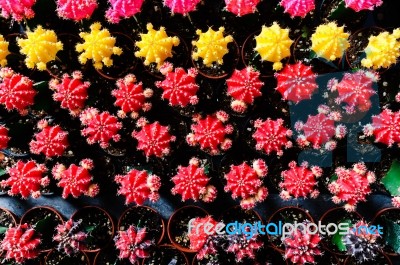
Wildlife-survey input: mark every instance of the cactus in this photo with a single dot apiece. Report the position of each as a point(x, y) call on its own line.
point(358, 5)
point(181, 6)
point(76, 9)
point(241, 7)
point(122, 9)
point(17, 9)
point(385, 128)
point(203, 243)
point(3, 51)
point(4, 138)
point(70, 238)
point(244, 247)
point(298, 8)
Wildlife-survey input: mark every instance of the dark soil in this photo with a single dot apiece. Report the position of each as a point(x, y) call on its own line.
point(380, 259)
point(56, 258)
point(166, 255)
point(109, 256)
point(6, 220)
point(392, 215)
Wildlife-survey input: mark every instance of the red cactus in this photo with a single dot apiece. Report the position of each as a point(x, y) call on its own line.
point(16, 91)
point(17, 9)
point(385, 127)
point(132, 244)
point(296, 82)
point(244, 86)
point(51, 141)
point(76, 9)
point(154, 139)
point(358, 5)
point(4, 138)
point(76, 180)
point(131, 97)
point(299, 181)
point(271, 136)
point(179, 87)
point(70, 238)
point(20, 243)
point(201, 241)
point(122, 9)
point(355, 89)
point(100, 127)
point(244, 247)
point(191, 182)
point(210, 133)
point(298, 8)
point(246, 182)
point(352, 185)
point(301, 247)
point(241, 7)
point(181, 6)
point(71, 92)
point(26, 179)
point(137, 186)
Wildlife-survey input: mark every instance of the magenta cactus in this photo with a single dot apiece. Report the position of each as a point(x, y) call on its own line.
point(4, 138)
point(358, 5)
point(181, 6)
point(191, 182)
point(299, 181)
point(352, 185)
point(17, 9)
point(244, 86)
point(244, 247)
point(122, 9)
point(241, 7)
point(385, 127)
point(271, 136)
point(70, 238)
point(298, 8)
point(205, 244)
point(76, 9)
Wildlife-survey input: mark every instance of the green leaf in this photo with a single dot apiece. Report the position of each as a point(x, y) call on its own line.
point(337, 238)
point(3, 229)
point(305, 32)
point(90, 229)
point(340, 11)
point(43, 225)
point(333, 178)
point(2, 172)
point(391, 180)
point(312, 55)
point(392, 235)
point(40, 85)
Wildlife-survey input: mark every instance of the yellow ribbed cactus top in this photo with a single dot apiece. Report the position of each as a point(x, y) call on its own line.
point(3, 51)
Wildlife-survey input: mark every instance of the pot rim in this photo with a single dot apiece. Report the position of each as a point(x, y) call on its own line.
point(379, 213)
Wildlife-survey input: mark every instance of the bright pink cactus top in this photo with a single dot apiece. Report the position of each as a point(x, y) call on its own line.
point(241, 7)
point(181, 6)
point(358, 5)
point(298, 8)
point(17, 9)
point(76, 9)
point(385, 127)
point(3, 137)
point(122, 9)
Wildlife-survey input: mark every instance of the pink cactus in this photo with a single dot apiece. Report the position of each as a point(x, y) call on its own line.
point(296, 82)
point(241, 7)
point(17, 9)
point(16, 91)
point(246, 182)
point(138, 186)
point(70, 238)
point(244, 86)
point(181, 6)
point(298, 8)
point(244, 247)
point(271, 136)
point(154, 139)
point(51, 140)
point(358, 5)
point(191, 182)
point(26, 179)
point(132, 244)
point(385, 127)
point(20, 243)
point(396, 201)
point(131, 97)
point(211, 133)
point(76, 180)
point(355, 89)
point(122, 9)
point(76, 9)
point(179, 87)
point(299, 181)
point(71, 92)
point(352, 185)
point(301, 247)
point(201, 241)
point(100, 127)
point(4, 138)
point(320, 129)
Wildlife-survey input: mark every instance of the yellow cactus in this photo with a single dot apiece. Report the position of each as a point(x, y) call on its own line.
point(98, 46)
point(40, 47)
point(155, 46)
point(273, 45)
point(211, 46)
point(382, 50)
point(329, 41)
point(3, 51)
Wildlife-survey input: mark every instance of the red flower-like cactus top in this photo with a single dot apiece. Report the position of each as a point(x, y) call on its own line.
point(245, 182)
point(122, 9)
point(100, 127)
point(352, 185)
point(70, 237)
point(201, 241)
point(241, 7)
point(244, 246)
point(71, 92)
point(138, 186)
point(76, 9)
point(358, 5)
point(181, 6)
point(385, 127)
point(4, 138)
point(16, 91)
point(132, 244)
point(211, 133)
point(244, 86)
point(17, 9)
point(179, 87)
point(131, 97)
point(355, 89)
point(51, 141)
point(191, 182)
point(299, 181)
point(271, 136)
point(76, 180)
point(21, 243)
point(26, 179)
point(153, 138)
point(298, 8)
point(296, 82)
